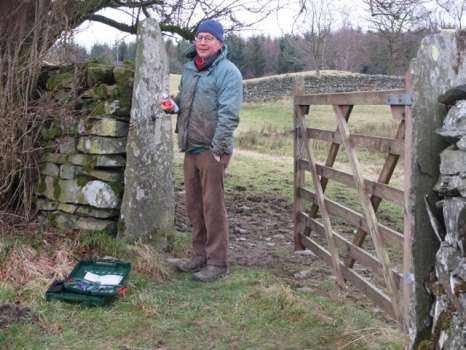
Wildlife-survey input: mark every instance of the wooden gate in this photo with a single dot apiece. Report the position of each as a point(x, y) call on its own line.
point(314, 211)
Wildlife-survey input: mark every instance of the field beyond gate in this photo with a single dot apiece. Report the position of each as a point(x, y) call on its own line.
point(369, 254)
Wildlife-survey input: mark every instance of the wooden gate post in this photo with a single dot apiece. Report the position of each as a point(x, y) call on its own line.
point(299, 177)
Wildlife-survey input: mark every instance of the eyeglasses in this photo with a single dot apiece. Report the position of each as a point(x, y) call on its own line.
point(206, 38)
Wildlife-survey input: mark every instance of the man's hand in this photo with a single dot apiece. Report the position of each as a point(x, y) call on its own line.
point(168, 105)
point(216, 157)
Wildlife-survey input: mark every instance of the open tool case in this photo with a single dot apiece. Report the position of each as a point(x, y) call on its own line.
point(92, 282)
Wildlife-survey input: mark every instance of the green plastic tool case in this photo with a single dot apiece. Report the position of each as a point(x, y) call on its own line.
point(92, 282)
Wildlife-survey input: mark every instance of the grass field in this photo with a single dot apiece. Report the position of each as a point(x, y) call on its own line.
point(253, 308)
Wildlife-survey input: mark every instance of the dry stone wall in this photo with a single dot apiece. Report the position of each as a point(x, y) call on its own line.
point(268, 88)
point(449, 281)
point(82, 168)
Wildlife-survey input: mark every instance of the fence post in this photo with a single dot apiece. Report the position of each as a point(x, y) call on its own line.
point(299, 175)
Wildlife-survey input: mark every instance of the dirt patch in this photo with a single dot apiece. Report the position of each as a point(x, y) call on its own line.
point(261, 235)
point(261, 229)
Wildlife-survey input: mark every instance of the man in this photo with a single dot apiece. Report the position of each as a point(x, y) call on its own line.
point(209, 98)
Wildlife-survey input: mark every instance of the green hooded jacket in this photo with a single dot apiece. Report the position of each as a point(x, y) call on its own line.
point(209, 102)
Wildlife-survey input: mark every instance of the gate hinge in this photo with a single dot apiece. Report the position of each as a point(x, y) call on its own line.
point(400, 100)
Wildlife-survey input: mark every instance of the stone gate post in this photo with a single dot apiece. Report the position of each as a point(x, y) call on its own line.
point(148, 200)
point(438, 66)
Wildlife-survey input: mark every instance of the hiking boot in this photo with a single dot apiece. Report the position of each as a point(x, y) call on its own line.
point(210, 273)
point(195, 264)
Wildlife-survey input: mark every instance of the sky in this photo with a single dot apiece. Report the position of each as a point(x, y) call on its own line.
point(276, 25)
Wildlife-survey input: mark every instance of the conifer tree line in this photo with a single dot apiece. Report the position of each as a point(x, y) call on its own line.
point(345, 50)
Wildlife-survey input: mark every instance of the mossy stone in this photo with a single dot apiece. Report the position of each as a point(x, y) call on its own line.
point(50, 133)
point(67, 208)
point(41, 186)
point(55, 158)
point(99, 73)
point(124, 76)
point(426, 344)
point(99, 109)
point(52, 219)
point(115, 93)
point(121, 227)
point(82, 180)
point(56, 188)
point(117, 187)
point(60, 81)
point(88, 94)
point(101, 91)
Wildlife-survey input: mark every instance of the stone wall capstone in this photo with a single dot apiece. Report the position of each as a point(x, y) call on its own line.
point(269, 88)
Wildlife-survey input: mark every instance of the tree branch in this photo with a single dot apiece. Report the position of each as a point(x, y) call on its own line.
point(185, 33)
point(133, 4)
point(132, 29)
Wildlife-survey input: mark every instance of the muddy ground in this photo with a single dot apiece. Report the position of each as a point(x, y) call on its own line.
point(261, 235)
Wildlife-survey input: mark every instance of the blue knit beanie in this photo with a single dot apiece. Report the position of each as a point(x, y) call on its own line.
point(212, 27)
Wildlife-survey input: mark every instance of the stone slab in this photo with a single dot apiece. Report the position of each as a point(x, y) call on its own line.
point(67, 208)
point(67, 221)
point(452, 95)
point(99, 73)
point(114, 108)
point(102, 145)
point(55, 158)
point(97, 213)
point(451, 185)
point(68, 171)
point(447, 258)
point(452, 161)
point(95, 161)
point(461, 144)
point(91, 224)
point(103, 126)
point(67, 145)
point(454, 124)
point(46, 205)
point(108, 176)
point(454, 215)
point(94, 193)
point(49, 169)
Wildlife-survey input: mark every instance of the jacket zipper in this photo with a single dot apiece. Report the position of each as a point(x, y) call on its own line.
point(185, 136)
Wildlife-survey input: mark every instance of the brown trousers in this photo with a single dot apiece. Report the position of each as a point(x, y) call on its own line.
point(205, 204)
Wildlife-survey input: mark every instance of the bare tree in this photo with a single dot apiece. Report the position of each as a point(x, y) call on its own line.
point(455, 9)
point(394, 17)
point(317, 23)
